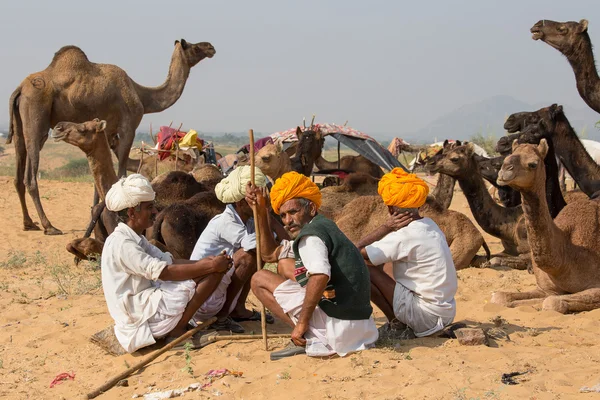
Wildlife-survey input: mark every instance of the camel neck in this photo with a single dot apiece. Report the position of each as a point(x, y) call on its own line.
point(102, 169)
point(571, 152)
point(542, 234)
point(581, 58)
point(496, 220)
point(444, 190)
point(156, 99)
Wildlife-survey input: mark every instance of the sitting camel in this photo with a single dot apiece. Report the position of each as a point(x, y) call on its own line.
point(507, 224)
point(91, 139)
point(565, 251)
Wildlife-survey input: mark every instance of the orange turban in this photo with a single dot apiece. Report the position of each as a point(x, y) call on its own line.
point(403, 190)
point(293, 185)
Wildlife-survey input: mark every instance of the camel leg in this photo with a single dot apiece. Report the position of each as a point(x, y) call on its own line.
point(35, 132)
point(519, 298)
point(519, 262)
point(21, 159)
point(122, 151)
point(463, 252)
point(586, 300)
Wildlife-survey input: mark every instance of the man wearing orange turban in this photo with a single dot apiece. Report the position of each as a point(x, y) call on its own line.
point(419, 299)
point(323, 289)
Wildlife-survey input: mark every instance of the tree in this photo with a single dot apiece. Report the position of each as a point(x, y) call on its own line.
point(487, 143)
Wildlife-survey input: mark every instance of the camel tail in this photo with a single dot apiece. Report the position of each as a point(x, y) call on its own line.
point(488, 254)
point(13, 111)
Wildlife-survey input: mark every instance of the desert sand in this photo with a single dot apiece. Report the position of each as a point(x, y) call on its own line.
point(49, 308)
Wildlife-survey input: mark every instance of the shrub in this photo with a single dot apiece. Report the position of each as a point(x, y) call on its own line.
point(73, 169)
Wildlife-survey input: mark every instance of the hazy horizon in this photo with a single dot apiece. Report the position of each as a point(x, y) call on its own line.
point(386, 68)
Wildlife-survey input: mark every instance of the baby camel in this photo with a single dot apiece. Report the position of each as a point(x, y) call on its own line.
point(566, 251)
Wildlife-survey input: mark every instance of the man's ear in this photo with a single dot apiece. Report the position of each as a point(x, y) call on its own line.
point(313, 209)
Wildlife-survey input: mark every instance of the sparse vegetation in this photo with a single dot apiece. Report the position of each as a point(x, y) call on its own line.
point(188, 347)
point(16, 259)
point(488, 143)
point(75, 168)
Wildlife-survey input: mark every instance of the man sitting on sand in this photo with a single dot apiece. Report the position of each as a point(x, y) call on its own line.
point(231, 232)
point(149, 295)
point(326, 296)
point(421, 293)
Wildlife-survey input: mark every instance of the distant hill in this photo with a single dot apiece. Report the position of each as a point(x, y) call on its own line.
point(487, 118)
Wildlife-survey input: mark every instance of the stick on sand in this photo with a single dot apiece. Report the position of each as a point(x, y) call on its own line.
point(113, 381)
point(263, 317)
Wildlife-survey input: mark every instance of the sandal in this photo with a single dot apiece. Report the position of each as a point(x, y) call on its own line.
point(255, 317)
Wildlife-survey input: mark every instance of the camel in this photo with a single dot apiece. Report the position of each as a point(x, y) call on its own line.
point(507, 224)
point(573, 41)
point(273, 161)
point(305, 158)
point(74, 89)
point(569, 149)
point(366, 213)
point(178, 222)
point(565, 251)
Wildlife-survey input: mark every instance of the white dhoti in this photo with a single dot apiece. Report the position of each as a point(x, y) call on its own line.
point(326, 335)
point(409, 309)
point(216, 300)
point(175, 298)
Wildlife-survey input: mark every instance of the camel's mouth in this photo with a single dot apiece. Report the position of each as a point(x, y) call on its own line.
point(57, 136)
point(536, 33)
point(505, 177)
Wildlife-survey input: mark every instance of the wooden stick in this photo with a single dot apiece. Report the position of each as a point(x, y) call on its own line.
point(113, 381)
point(141, 159)
point(263, 316)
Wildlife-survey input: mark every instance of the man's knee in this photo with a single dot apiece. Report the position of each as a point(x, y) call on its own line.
point(261, 279)
point(211, 280)
point(244, 259)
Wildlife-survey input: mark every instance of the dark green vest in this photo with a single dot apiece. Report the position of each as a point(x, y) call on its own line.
point(348, 293)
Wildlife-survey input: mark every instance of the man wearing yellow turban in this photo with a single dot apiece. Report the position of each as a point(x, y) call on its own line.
point(419, 298)
point(231, 232)
point(149, 294)
point(326, 296)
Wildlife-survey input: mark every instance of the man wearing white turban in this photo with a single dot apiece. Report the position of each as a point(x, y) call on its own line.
point(148, 293)
point(232, 232)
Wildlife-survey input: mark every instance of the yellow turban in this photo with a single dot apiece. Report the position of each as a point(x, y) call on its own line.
point(293, 185)
point(232, 188)
point(403, 190)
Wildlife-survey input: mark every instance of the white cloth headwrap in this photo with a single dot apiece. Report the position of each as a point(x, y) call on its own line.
point(232, 188)
point(129, 192)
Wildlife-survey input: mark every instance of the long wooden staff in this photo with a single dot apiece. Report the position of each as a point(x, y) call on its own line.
point(263, 317)
point(113, 381)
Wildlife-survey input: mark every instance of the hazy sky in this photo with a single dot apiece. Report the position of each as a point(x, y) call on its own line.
point(384, 66)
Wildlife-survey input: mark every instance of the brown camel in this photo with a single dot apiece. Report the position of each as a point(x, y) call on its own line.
point(72, 88)
point(179, 223)
point(306, 156)
point(507, 224)
point(566, 250)
point(347, 163)
point(572, 40)
point(366, 213)
point(273, 161)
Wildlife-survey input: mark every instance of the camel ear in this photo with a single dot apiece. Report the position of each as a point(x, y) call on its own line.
point(583, 25)
point(458, 143)
point(298, 132)
point(445, 143)
point(515, 143)
point(101, 126)
point(278, 145)
point(543, 148)
point(470, 148)
point(184, 44)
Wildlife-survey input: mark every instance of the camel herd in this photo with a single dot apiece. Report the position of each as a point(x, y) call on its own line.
point(551, 233)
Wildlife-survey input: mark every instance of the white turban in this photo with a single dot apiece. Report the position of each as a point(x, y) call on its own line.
point(232, 188)
point(129, 192)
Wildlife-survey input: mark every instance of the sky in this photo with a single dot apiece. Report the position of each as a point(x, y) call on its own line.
point(386, 67)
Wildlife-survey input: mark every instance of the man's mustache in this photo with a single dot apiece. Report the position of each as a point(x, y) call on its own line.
point(288, 227)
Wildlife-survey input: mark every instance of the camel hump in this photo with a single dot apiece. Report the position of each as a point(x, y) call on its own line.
point(71, 55)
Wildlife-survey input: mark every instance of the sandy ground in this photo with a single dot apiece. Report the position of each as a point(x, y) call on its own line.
point(49, 309)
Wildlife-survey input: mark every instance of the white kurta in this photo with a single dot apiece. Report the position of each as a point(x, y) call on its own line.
point(130, 264)
point(225, 231)
point(424, 272)
point(326, 335)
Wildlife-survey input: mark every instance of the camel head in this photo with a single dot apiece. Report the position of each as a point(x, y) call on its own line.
point(518, 121)
point(195, 52)
point(563, 36)
point(310, 144)
point(83, 136)
point(431, 162)
point(522, 168)
point(270, 160)
point(504, 144)
point(489, 167)
point(456, 161)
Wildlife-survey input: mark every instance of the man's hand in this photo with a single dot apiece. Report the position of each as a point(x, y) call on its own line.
point(397, 221)
point(222, 262)
point(257, 196)
point(298, 333)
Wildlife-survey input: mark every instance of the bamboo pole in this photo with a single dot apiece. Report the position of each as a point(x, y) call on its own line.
point(263, 317)
point(113, 381)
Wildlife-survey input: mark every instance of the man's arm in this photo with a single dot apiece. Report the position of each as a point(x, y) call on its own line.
point(257, 199)
point(392, 224)
point(314, 291)
point(182, 270)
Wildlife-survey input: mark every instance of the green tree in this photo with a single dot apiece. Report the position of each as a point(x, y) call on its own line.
point(488, 143)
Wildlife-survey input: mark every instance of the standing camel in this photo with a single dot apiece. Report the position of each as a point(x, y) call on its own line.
point(565, 251)
point(74, 89)
point(572, 40)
